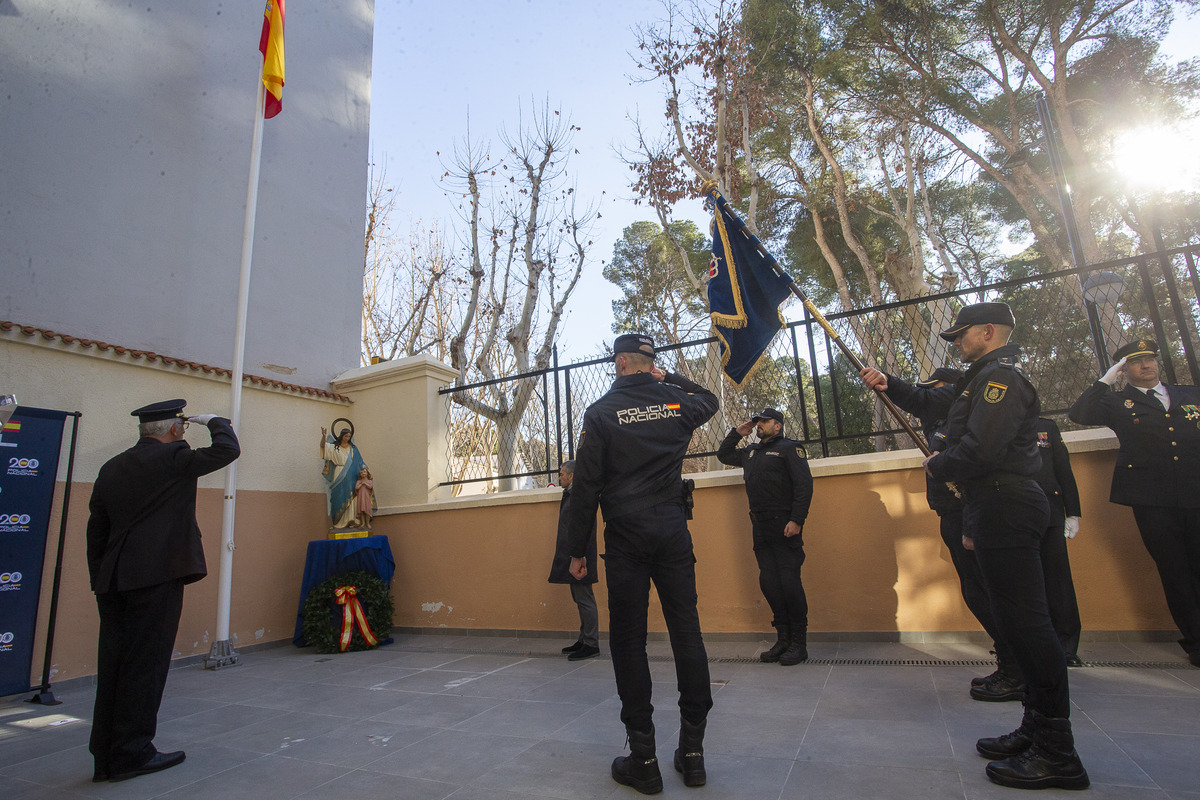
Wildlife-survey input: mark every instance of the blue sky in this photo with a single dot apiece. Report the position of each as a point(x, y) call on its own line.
point(436, 61)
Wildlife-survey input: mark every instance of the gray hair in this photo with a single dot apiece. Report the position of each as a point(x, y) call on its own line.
point(568, 467)
point(159, 427)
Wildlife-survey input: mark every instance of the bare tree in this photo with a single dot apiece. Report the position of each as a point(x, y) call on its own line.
point(524, 248)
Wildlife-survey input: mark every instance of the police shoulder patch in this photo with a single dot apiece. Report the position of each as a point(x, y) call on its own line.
point(800, 452)
point(994, 392)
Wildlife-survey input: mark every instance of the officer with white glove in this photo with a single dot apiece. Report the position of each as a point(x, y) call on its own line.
point(1114, 372)
point(202, 419)
point(1071, 527)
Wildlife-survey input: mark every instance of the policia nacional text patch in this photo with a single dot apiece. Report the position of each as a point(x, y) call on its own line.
point(994, 392)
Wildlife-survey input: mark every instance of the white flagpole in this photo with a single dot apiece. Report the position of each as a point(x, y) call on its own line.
point(222, 652)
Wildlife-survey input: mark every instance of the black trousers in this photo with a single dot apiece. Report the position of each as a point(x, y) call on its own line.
point(779, 560)
point(1060, 588)
point(970, 578)
point(1007, 524)
point(137, 637)
point(654, 545)
point(1172, 537)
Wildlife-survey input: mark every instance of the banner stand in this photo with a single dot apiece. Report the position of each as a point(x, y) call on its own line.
point(44, 696)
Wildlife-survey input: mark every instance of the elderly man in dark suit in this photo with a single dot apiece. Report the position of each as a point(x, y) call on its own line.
point(143, 546)
point(1157, 471)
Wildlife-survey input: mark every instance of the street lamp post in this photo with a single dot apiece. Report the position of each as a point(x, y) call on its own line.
point(1071, 224)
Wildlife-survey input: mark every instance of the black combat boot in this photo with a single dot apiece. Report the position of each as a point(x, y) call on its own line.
point(639, 769)
point(689, 758)
point(1006, 683)
point(1049, 762)
point(1010, 744)
point(797, 650)
point(781, 644)
point(1004, 666)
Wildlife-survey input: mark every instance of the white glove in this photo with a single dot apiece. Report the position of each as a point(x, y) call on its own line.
point(1071, 527)
point(203, 419)
point(1114, 372)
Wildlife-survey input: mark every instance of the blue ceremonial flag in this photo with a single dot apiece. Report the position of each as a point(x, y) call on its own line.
point(744, 293)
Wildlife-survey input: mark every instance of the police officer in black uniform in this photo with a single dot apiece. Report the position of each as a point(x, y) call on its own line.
point(1057, 480)
point(143, 546)
point(779, 488)
point(929, 401)
point(989, 449)
point(628, 463)
point(1157, 471)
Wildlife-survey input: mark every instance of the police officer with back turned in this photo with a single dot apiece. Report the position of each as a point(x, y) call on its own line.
point(628, 463)
point(143, 546)
point(989, 449)
point(779, 487)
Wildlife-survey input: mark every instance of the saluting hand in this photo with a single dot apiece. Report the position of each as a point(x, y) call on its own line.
point(657, 373)
point(1114, 372)
point(746, 428)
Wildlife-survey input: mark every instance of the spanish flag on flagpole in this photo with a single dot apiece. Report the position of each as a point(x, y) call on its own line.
point(271, 46)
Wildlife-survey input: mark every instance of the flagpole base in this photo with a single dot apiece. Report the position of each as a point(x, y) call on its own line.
point(221, 654)
point(45, 697)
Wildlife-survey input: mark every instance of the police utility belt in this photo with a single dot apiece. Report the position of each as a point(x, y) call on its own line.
point(995, 480)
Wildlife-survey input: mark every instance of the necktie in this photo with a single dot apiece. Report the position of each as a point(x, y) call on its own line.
point(1158, 397)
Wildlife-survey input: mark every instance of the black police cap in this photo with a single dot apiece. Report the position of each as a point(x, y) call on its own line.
point(767, 413)
point(1141, 347)
point(979, 314)
point(167, 409)
point(634, 343)
point(943, 374)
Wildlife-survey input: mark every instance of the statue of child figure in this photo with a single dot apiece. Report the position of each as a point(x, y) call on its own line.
point(364, 498)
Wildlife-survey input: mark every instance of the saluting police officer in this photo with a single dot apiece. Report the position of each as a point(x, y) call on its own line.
point(1157, 471)
point(989, 449)
point(630, 457)
point(143, 546)
point(929, 401)
point(779, 488)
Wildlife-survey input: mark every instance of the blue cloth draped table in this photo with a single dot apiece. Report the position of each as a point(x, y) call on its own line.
point(328, 557)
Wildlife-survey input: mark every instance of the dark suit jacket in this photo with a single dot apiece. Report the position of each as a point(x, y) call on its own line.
point(1158, 463)
point(1056, 477)
point(142, 530)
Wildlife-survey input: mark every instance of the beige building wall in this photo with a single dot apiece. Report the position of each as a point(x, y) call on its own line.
point(875, 560)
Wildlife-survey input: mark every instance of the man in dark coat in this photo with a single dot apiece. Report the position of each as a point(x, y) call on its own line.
point(143, 546)
point(1157, 472)
point(588, 643)
point(779, 489)
point(1058, 483)
point(630, 457)
point(988, 448)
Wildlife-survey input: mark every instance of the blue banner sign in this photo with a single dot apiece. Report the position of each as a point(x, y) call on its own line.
point(29, 446)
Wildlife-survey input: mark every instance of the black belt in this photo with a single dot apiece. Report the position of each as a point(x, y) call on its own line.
point(762, 516)
point(998, 479)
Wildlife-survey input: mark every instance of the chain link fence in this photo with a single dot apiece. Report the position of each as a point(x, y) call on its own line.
point(1068, 322)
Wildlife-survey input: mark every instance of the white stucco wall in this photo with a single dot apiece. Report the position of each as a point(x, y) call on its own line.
point(126, 132)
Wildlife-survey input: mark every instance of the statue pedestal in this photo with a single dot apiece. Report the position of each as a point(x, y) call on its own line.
point(348, 533)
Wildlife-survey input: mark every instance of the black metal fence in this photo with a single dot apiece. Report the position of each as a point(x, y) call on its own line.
point(1068, 321)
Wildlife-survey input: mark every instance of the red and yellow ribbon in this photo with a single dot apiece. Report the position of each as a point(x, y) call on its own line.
point(352, 612)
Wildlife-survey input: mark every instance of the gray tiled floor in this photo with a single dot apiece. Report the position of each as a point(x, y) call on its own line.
point(503, 718)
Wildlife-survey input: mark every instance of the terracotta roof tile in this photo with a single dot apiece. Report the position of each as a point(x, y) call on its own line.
point(151, 356)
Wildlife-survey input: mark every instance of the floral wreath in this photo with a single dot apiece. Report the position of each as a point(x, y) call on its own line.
point(324, 616)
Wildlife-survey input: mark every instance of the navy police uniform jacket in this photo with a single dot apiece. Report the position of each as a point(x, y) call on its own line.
point(1055, 476)
point(142, 530)
point(1158, 463)
point(631, 449)
point(778, 480)
point(991, 429)
point(930, 405)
